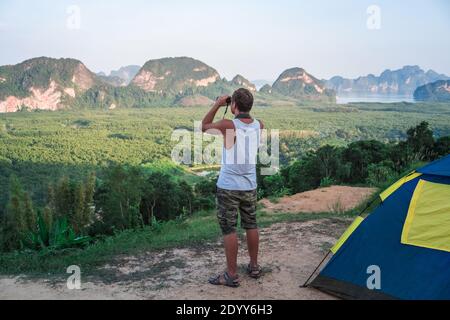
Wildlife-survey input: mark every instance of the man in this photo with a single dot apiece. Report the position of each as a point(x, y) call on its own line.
point(236, 187)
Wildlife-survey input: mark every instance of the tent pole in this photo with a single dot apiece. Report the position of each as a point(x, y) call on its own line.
point(305, 285)
point(368, 206)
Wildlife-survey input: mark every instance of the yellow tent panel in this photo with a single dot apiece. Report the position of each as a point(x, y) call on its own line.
point(428, 221)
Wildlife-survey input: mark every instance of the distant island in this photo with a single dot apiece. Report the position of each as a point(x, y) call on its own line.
point(438, 91)
point(401, 82)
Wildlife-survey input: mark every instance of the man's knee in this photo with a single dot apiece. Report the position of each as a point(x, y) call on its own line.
point(249, 224)
point(248, 220)
point(227, 222)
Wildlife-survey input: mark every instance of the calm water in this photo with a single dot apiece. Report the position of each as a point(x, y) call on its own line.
point(343, 99)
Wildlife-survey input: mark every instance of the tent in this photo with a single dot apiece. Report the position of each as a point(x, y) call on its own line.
point(402, 249)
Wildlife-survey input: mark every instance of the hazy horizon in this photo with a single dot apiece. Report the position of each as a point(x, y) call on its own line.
point(257, 40)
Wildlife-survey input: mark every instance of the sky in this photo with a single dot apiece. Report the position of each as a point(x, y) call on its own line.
point(258, 39)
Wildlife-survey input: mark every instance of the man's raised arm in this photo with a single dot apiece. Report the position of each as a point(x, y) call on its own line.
point(215, 127)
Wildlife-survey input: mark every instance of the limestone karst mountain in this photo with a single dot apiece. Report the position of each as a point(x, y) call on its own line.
point(391, 82)
point(240, 81)
point(44, 83)
point(299, 84)
point(174, 75)
point(121, 77)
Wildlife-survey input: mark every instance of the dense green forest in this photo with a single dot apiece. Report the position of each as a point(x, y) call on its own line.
point(68, 178)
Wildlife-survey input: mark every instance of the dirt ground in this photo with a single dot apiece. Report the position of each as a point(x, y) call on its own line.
point(335, 199)
point(289, 253)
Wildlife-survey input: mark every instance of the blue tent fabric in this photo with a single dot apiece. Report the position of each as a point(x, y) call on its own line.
point(440, 167)
point(407, 272)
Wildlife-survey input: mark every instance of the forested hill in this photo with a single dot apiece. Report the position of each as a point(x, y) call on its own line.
point(54, 84)
point(175, 75)
point(297, 83)
point(44, 83)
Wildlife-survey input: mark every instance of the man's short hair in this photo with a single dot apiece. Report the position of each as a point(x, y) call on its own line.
point(243, 99)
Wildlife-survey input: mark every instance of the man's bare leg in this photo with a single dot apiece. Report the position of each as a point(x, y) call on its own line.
point(231, 252)
point(253, 246)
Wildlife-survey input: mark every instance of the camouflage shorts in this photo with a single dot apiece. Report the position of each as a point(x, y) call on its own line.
point(229, 203)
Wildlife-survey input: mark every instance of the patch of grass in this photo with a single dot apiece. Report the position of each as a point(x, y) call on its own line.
point(274, 199)
point(337, 207)
point(266, 219)
point(326, 246)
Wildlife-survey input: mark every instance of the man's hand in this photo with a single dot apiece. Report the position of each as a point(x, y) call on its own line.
point(221, 101)
point(217, 127)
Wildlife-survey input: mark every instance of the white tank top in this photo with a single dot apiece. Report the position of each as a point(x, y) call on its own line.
point(238, 170)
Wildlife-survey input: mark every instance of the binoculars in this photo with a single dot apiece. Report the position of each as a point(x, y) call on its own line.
point(228, 104)
point(228, 100)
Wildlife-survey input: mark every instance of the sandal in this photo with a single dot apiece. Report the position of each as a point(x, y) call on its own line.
point(229, 281)
point(254, 272)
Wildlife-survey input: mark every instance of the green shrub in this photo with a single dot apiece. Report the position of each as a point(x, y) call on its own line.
point(275, 186)
point(442, 147)
point(58, 235)
point(379, 173)
point(327, 182)
point(204, 194)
